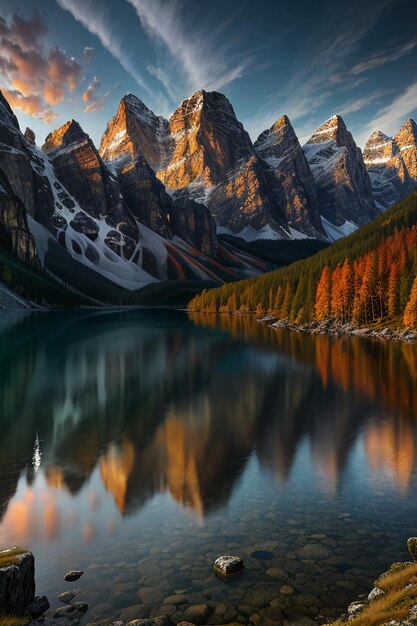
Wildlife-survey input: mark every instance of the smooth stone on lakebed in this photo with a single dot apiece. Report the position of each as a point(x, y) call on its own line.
point(71, 611)
point(72, 576)
point(262, 555)
point(412, 547)
point(197, 614)
point(68, 596)
point(228, 565)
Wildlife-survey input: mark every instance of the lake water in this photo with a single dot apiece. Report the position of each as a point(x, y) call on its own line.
point(141, 445)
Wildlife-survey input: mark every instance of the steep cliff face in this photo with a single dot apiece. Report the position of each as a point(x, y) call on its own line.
point(385, 168)
point(343, 186)
point(135, 131)
point(80, 169)
point(145, 195)
point(194, 223)
point(24, 168)
point(392, 164)
point(406, 140)
point(290, 177)
point(15, 236)
point(208, 141)
point(243, 200)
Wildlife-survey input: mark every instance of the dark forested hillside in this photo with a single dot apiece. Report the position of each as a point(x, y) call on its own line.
point(367, 277)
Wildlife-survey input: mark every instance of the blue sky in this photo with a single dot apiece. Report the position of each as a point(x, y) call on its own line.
point(309, 60)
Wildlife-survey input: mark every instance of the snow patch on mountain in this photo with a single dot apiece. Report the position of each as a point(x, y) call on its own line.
point(337, 232)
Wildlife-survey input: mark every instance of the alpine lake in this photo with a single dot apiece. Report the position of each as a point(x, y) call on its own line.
point(140, 445)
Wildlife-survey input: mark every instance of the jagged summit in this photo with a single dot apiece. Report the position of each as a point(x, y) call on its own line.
point(67, 134)
point(208, 140)
point(379, 148)
point(272, 143)
point(343, 186)
point(334, 129)
point(289, 176)
point(407, 135)
point(135, 131)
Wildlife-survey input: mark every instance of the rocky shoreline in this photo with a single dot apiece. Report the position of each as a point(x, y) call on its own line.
point(391, 602)
point(393, 599)
point(336, 329)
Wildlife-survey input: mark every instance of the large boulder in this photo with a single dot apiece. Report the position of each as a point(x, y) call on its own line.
point(17, 579)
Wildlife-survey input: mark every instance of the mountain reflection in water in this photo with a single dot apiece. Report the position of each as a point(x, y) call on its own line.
point(129, 405)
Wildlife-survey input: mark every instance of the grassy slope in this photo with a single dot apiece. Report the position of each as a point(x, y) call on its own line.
point(399, 585)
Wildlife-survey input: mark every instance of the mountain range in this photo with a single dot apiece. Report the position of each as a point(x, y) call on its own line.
point(164, 200)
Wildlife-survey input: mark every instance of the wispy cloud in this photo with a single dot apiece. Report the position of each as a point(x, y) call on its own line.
point(383, 57)
point(96, 101)
point(391, 117)
point(201, 52)
point(352, 106)
point(99, 21)
point(92, 89)
point(325, 59)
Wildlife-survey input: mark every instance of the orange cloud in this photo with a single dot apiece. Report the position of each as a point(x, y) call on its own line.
point(30, 105)
point(33, 78)
point(92, 89)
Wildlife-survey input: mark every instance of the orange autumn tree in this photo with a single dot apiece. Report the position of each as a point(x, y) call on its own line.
point(410, 313)
point(365, 278)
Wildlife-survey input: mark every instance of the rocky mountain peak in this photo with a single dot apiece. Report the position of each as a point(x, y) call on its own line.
point(275, 143)
point(30, 136)
point(135, 131)
point(208, 141)
point(334, 129)
point(289, 177)
point(379, 148)
point(407, 135)
point(68, 134)
point(343, 185)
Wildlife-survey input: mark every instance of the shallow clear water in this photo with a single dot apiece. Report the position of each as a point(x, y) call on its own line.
point(141, 445)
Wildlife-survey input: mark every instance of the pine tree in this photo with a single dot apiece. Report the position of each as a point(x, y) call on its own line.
point(322, 307)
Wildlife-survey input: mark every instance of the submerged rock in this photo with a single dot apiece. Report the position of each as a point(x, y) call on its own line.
point(72, 576)
point(68, 596)
point(162, 620)
point(38, 607)
point(198, 613)
point(228, 565)
point(262, 555)
point(72, 611)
